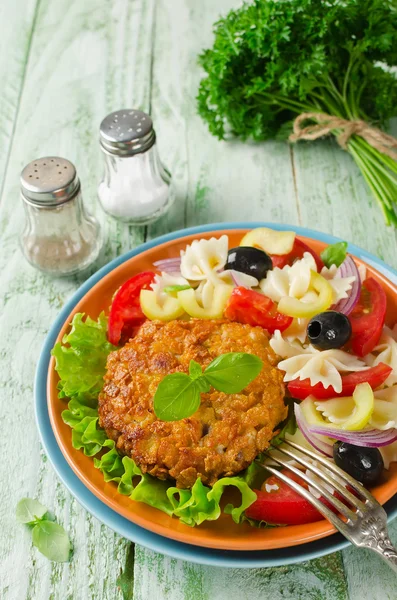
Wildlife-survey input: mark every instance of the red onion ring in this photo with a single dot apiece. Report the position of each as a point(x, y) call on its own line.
point(237, 281)
point(313, 439)
point(169, 265)
point(349, 269)
point(374, 438)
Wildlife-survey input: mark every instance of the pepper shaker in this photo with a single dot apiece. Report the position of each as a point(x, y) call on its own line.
point(60, 237)
point(136, 187)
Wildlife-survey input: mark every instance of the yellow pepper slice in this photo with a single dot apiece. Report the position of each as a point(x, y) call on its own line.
point(354, 413)
point(171, 309)
point(296, 308)
point(188, 300)
point(270, 240)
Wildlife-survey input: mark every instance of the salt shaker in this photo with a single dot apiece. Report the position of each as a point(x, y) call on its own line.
point(136, 187)
point(59, 237)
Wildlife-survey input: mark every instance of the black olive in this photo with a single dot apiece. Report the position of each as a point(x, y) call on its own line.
point(329, 329)
point(249, 260)
point(364, 464)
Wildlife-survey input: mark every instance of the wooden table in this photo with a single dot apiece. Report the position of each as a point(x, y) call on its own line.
point(64, 64)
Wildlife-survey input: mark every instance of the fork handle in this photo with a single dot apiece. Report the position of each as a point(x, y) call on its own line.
point(381, 544)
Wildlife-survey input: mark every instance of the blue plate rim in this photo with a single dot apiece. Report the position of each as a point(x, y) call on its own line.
point(126, 528)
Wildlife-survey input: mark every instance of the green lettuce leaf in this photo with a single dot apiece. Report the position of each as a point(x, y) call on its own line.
point(81, 357)
point(81, 363)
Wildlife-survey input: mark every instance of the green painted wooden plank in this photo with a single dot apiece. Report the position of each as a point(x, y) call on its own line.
point(16, 26)
point(86, 59)
point(215, 181)
point(333, 197)
point(169, 579)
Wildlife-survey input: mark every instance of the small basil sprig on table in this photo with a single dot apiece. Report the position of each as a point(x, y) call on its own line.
point(178, 395)
point(49, 538)
point(334, 254)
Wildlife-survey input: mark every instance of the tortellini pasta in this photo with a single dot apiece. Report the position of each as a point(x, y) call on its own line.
point(324, 367)
point(386, 352)
point(203, 259)
point(294, 281)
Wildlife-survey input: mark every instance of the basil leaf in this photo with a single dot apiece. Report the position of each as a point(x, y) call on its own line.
point(334, 254)
point(195, 370)
point(29, 510)
point(232, 372)
point(170, 289)
point(51, 540)
point(203, 385)
point(177, 397)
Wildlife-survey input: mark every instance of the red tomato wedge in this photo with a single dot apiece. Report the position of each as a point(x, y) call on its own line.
point(375, 376)
point(125, 312)
point(253, 308)
point(298, 250)
point(368, 317)
point(281, 505)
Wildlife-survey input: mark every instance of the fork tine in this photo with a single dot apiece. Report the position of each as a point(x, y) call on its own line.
point(324, 476)
point(324, 510)
point(342, 508)
point(342, 474)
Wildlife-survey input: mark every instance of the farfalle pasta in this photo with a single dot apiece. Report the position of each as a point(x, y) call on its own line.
point(306, 362)
point(203, 259)
point(294, 281)
point(386, 352)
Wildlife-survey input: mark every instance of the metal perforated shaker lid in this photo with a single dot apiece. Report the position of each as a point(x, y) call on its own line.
point(127, 132)
point(49, 181)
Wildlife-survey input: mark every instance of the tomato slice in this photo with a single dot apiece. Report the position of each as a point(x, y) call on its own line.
point(253, 308)
point(368, 317)
point(279, 504)
point(375, 376)
point(298, 250)
point(125, 312)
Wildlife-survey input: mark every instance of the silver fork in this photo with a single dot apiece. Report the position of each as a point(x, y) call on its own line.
point(365, 527)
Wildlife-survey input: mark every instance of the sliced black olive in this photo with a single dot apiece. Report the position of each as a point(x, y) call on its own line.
point(249, 260)
point(329, 329)
point(364, 464)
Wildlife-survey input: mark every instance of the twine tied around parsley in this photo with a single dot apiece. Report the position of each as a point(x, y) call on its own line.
point(325, 124)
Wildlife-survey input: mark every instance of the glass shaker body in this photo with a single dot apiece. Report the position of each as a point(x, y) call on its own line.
point(136, 188)
point(59, 237)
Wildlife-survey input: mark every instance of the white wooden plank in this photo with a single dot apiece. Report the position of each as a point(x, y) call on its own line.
point(85, 61)
point(215, 181)
point(16, 26)
point(333, 197)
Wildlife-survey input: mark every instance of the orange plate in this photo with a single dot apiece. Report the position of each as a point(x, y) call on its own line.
point(223, 534)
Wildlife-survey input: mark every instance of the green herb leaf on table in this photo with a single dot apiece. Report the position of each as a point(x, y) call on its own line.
point(51, 540)
point(232, 372)
point(29, 511)
point(334, 254)
point(171, 289)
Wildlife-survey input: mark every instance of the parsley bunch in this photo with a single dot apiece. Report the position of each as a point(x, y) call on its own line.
point(275, 59)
